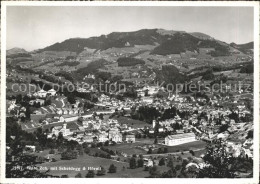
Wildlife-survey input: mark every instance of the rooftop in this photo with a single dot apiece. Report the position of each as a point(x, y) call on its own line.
point(180, 136)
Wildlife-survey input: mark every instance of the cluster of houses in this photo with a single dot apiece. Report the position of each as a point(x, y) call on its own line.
point(43, 94)
point(91, 129)
point(82, 135)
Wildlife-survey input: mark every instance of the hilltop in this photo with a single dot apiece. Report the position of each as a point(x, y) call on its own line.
point(15, 50)
point(201, 36)
point(138, 55)
point(164, 42)
point(245, 48)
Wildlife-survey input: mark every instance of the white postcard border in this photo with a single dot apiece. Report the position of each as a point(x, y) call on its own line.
point(255, 179)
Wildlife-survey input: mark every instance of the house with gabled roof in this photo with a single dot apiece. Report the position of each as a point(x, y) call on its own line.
point(130, 138)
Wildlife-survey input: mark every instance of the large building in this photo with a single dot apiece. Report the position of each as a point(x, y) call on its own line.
point(115, 136)
point(68, 117)
point(130, 138)
point(173, 140)
point(61, 129)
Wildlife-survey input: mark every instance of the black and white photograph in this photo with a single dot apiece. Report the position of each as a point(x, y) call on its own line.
point(144, 90)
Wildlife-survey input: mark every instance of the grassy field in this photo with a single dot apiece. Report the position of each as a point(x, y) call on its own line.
point(131, 122)
point(132, 173)
point(128, 148)
point(86, 161)
point(81, 162)
point(131, 148)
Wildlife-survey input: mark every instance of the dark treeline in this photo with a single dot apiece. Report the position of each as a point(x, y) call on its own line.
point(170, 75)
point(18, 55)
point(247, 69)
point(91, 68)
point(129, 61)
point(66, 75)
point(68, 63)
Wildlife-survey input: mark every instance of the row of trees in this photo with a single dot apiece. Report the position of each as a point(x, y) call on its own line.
point(102, 171)
point(136, 162)
point(129, 61)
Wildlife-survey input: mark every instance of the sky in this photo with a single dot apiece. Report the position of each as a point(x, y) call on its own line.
point(35, 27)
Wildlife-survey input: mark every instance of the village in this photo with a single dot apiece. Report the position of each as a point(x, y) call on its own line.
point(193, 122)
point(150, 103)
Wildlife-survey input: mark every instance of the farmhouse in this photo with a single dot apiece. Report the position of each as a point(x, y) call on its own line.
point(30, 147)
point(88, 139)
point(41, 93)
point(130, 138)
point(172, 140)
point(52, 92)
point(147, 100)
point(40, 101)
point(102, 138)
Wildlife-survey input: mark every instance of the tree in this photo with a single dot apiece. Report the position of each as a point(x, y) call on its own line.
point(19, 98)
point(80, 150)
point(208, 75)
point(42, 138)
point(87, 150)
point(184, 162)
point(132, 163)
point(28, 113)
point(71, 99)
point(140, 162)
point(19, 165)
point(68, 155)
point(60, 138)
point(78, 175)
point(123, 169)
point(150, 151)
point(192, 152)
point(219, 162)
point(159, 150)
point(178, 167)
point(154, 173)
point(88, 105)
point(155, 141)
point(162, 162)
point(169, 174)
point(106, 143)
point(191, 171)
point(52, 151)
point(165, 150)
point(170, 163)
point(101, 116)
point(90, 174)
point(101, 172)
point(103, 75)
point(112, 168)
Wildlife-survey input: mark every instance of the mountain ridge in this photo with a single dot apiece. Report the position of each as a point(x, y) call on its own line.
point(15, 50)
point(166, 42)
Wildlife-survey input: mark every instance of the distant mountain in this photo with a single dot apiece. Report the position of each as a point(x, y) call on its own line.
point(166, 42)
point(15, 50)
point(201, 36)
point(243, 47)
point(249, 45)
point(103, 42)
point(182, 42)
